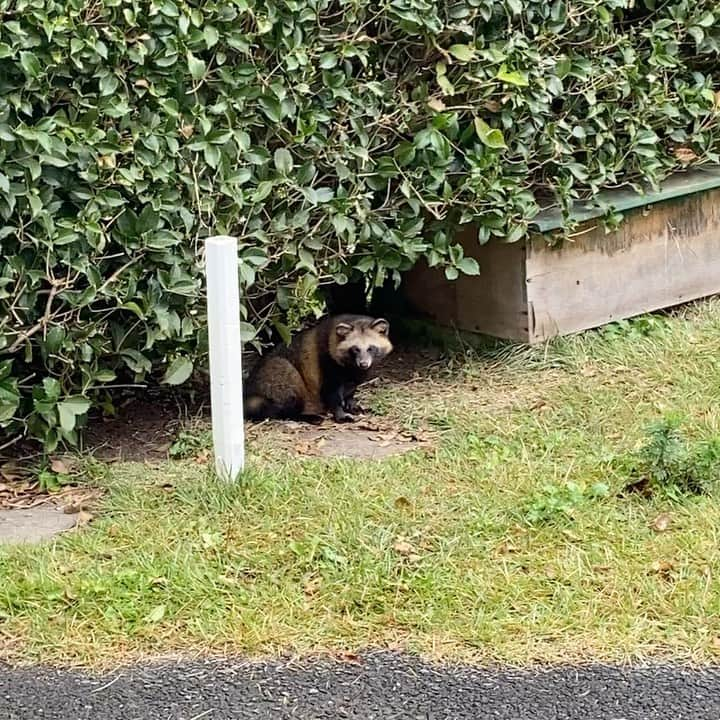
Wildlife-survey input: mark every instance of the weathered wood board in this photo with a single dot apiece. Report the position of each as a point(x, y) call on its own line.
point(662, 255)
point(492, 303)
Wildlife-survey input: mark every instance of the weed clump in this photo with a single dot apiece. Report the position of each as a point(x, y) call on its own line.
point(556, 504)
point(668, 464)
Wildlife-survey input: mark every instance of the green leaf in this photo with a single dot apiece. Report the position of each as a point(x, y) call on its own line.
point(196, 66)
point(70, 409)
point(156, 614)
point(30, 63)
point(148, 220)
point(707, 20)
point(464, 53)
point(328, 61)
point(469, 266)
point(283, 161)
point(493, 138)
point(52, 388)
point(263, 190)
point(247, 332)
point(179, 370)
point(271, 107)
point(211, 36)
point(519, 79)
point(9, 400)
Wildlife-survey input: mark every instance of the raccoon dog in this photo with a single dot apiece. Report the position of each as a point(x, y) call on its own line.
point(319, 371)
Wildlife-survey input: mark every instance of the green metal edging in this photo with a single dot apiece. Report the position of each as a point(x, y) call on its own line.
point(678, 185)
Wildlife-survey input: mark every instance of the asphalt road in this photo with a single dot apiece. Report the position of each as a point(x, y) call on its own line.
point(381, 686)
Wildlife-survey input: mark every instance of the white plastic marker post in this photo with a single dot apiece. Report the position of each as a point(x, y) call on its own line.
point(223, 305)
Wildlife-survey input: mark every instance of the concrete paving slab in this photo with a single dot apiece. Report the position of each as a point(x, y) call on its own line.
point(33, 525)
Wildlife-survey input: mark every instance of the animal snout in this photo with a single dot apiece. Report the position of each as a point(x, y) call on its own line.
point(364, 363)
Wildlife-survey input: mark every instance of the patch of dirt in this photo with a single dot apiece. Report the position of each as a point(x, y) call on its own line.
point(367, 438)
point(143, 429)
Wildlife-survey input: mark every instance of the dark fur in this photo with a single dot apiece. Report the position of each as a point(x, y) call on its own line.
point(319, 371)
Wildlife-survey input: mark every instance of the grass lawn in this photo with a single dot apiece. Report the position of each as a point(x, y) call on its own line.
point(510, 539)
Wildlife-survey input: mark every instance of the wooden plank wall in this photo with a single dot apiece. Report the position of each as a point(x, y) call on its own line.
point(492, 303)
point(660, 256)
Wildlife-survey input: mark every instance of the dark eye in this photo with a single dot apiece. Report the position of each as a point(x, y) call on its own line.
point(373, 350)
point(354, 349)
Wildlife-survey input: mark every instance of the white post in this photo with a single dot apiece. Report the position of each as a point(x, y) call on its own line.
point(223, 306)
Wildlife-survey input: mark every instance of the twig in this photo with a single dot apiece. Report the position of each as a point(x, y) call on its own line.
point(107, 685)
point(119, 272)
point(10, 442)
point(42, 323)
point(201, 715)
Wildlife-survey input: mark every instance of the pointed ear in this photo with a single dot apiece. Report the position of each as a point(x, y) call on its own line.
point(342, 330)
point(381, 325)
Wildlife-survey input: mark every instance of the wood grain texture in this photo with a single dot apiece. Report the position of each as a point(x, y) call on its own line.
point(660, 257)
point(492, 303)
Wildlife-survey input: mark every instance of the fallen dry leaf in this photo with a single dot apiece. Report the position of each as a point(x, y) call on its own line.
point(107, 161)
point(366, 425)
point(402, 503)
point(506, 548)
point(202, 457)
point(312, 586)
point(685, 155)
point(403, 547)
point(661, 523)
point(65, 465)
point(663, 568)
point(10, 471)
point(83, 518)
point(349, 657)
point(304, 448)
point(436, 104)
point(550, 572)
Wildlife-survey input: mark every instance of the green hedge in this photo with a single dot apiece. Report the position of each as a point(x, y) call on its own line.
point(337, 139)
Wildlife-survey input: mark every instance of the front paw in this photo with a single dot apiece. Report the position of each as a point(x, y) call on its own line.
point(343, 417)
point(353, 406)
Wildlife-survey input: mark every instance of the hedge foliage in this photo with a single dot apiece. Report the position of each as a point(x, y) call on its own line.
point(337, 139)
